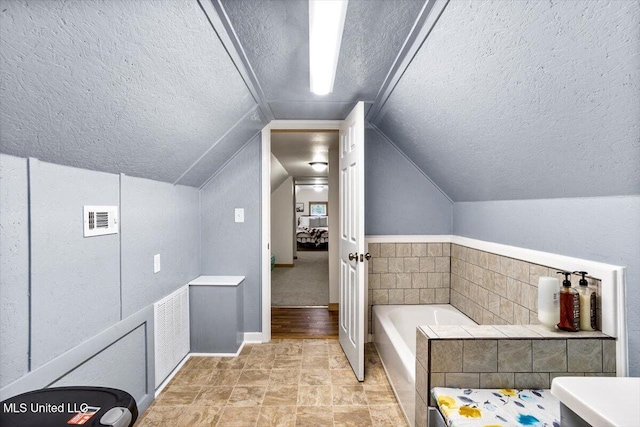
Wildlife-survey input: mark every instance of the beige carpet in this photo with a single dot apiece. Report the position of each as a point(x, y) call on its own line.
point(307, 283)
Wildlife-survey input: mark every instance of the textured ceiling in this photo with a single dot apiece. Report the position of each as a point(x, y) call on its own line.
point(139, 87)
point(275, 37)
point(294, 150)
point(523, 100)
point(505, 100)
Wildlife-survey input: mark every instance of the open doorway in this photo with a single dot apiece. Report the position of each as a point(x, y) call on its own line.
point(304, 199)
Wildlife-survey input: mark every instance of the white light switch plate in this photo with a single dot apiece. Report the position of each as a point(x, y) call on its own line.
point(239, 215)
point(156, 263)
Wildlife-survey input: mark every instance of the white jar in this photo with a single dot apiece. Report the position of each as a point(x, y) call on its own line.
point(549, 301)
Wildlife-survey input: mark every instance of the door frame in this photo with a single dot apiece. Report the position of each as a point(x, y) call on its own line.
point(265, 206)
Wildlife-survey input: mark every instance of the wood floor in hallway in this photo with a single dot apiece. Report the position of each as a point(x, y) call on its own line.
point(299, 323)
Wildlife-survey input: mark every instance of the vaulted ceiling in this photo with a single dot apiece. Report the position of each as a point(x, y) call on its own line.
point(502, 100)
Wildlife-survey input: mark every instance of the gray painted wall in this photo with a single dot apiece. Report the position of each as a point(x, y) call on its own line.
point(76, 283)
point(399, 198)
point(137, 87)
point(157, 218)
point(604, 229)
point(230, 248)
point(72, 277)
point(524, 100)
point(121, 365)
point(14, 269)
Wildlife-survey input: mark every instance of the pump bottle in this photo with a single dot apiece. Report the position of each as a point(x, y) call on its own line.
point(569, 305)
point(587, 294)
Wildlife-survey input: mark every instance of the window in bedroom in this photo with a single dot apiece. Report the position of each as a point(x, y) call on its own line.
point(318, 208)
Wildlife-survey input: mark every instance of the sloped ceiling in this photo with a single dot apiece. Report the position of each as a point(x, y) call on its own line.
point(275, 37)
point(524, 100)
point(504, 100)
point(140, 87)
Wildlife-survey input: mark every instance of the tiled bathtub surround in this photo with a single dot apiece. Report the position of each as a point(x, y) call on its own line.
point(495, 290)
point(505, 356)
point(409, 273)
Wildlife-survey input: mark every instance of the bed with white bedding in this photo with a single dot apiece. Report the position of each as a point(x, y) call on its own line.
point(313, 230)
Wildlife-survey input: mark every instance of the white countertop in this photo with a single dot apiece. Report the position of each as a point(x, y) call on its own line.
point(601, 401)
point(216, 281)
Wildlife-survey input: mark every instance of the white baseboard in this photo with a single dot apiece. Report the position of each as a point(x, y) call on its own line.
point(254, 337)
point(412, 238)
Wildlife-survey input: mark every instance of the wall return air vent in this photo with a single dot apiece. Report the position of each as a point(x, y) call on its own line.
point(100, 220)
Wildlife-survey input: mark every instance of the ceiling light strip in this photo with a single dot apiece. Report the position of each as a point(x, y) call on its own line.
point(326, 24)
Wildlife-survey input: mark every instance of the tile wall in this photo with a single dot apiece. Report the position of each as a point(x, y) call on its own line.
point(496, 290)
point(409, 273)
point(510, 356)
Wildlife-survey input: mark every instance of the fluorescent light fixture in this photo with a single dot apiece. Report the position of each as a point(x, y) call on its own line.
point(326, 23)
point(319, 166)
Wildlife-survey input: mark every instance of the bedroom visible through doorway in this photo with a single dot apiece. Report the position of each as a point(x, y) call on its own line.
point(304, 200)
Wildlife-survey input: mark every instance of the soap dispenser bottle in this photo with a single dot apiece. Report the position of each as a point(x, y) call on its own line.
point(587, 294)
point(569, 305)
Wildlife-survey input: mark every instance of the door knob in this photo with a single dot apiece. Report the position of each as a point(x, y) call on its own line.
point(367, 256)
point(353, 256)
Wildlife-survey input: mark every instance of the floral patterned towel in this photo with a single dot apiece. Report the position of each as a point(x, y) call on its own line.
point(497, 407)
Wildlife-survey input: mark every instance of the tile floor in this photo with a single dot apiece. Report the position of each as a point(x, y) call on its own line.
point(282, 383)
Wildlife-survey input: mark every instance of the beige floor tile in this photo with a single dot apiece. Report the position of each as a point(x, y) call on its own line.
point(224, 377)
point(246, 349)
point(317, 362)
point(161, 415)
point(247, 396)
point(239, 417)
point(318, 350)
point(281, 395)
point(267, 385)
point(179, 395)
point(315, 377)
point(338, 361)
point(214, 396)
point(349, 395)
point(277, 416)
point(288, 350)
point(314, 343)
point(381, 395)
point(285, 376)
point(268, 350)
point(282, 362)
point(344, 377)
point(317, 395)
point(198, 415)
point(375, 375)
point(232, 362)
point(203, 362)
point(387, 416)
point(191, 377)
point(260, 362)
point(349, 416)
point(254, 377)
point(314, 416)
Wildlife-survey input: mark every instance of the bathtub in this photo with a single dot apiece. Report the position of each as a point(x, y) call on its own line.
point(394, 328)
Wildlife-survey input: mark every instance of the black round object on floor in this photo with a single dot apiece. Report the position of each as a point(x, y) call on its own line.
point(69, 406)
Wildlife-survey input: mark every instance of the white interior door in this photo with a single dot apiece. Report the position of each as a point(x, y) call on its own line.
point(351, 244)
